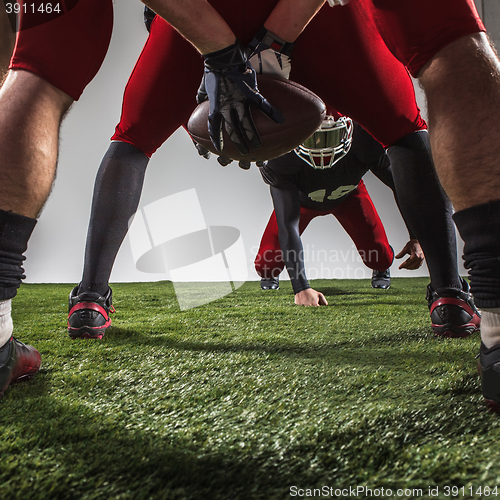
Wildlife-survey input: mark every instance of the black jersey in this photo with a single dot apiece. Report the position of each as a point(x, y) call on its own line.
point(325, 189)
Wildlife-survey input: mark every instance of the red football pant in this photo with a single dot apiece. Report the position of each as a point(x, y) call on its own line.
point(416, 31)
point(67, 50)
point(340, 56)
point(358, 217)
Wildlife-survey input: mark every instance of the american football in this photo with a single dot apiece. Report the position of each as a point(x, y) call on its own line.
point(302, 109)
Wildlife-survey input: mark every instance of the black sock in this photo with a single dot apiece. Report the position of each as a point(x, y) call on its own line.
point(15, 231)
point(117, 192)
point(479, 227)
point(425, 207)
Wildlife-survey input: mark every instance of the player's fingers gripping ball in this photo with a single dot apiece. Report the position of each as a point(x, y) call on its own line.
point(301, 110)
point(230, 85)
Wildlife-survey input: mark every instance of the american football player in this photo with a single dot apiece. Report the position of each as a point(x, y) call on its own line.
point(53, 61)
point(324, 176)
point(445, 46)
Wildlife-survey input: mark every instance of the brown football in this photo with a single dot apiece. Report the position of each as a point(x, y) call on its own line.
point(302, 109)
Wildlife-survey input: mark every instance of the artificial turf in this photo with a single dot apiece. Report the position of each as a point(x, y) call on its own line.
point(248, 397)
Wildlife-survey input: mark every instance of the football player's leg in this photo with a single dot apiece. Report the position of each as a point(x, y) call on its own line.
point(28, 160)
point(420, 193)
point(269, 259)
point(360, 219)
point(451, 305)
point(7, 41)
point(43, 82)
point(461, 76)
point(462, 85)
point(467, 161)
point(159, 98)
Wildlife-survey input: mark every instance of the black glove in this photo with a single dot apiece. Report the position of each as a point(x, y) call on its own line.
point(223, 160)
point(230, 85)
point(202, 151)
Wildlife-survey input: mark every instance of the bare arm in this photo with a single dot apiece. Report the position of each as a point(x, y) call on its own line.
point(197, 21)
point(290, 17)
point(201, 24)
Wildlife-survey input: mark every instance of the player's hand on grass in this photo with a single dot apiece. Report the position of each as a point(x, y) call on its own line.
point(310, 297)
point(416, 255)
point(230, 85)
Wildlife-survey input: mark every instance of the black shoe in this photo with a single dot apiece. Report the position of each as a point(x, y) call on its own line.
point(453, 312)
point(381, 279)
point(18, 362)
point(269, 284)
point(88, 316)
point(489, 369)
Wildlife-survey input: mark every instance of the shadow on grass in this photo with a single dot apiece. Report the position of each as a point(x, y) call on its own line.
point(380, 351)
point(76, 453)
point(72, 452)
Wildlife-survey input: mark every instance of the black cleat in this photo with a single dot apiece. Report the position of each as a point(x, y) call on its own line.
point(381, 279)
point(489, 369)
point(88, 316)
point(269, 283)
point(18, 362)
point(453, 312)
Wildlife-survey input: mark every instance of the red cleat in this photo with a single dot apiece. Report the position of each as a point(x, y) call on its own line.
point(18, 362)
point(453, 312)
point(88, 316)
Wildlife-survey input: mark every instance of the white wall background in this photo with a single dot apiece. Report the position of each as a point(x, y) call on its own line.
point(229, 196)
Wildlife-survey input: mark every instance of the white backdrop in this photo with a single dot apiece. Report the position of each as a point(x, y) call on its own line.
point(228, 196)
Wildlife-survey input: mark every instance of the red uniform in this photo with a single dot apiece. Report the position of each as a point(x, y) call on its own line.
point(416, 31)
point(340, 56)
point(357, 215)
point(66, 50)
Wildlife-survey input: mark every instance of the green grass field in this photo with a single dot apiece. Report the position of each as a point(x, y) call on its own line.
point(248, 397)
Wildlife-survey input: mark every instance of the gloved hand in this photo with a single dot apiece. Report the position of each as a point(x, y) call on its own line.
point(270, 62)
point(202, 151)
point(269, 54)
point(230, 85)
point(223, 160)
